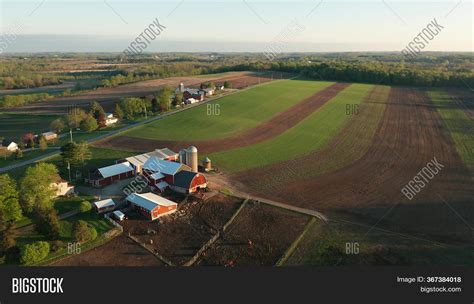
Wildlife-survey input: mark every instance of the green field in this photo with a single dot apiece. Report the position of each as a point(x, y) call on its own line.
point(309, 135)
point(325, 245)
point(238, 112)
point(13, 125)
point(459, 125)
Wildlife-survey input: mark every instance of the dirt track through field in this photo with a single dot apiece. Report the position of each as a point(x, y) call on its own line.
point(410, 134)
point(267, 130)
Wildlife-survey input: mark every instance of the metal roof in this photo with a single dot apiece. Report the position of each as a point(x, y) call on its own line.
point(149, 200)
point(157, 175)
point(142, 158)
point(184, 178)
point(115, 169)
point(162, 185)
point(104, 203)
point(164, 166)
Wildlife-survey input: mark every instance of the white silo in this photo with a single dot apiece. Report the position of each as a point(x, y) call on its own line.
point(181, 87)
point(192, 158)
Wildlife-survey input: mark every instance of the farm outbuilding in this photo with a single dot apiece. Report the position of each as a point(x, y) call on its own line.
point(107, 175)
point(151, 205)
point(207, 164)
point(49, 136)
point(105, 205)
point(138, 161)
point(188, 182)
point(9, 145)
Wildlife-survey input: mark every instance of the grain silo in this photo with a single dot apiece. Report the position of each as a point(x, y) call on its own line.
point(181, 87)
point(192, 158)
point(182, 156)
point(206, 164)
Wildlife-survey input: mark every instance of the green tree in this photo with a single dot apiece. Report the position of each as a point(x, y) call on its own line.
point(57, 125)
point(35, 252)
point(164, 97)
point(85, 206)
point(19, 154)
point(95, 109)
point(10, 209)
point(75, 117)
point(178, 98)
point(118, 111)
point(82, 232)
point(43, 144)
point(7, 237)
point(36, 190)
point(89, 124)
point(47, 223)
point(76, 154)
point(227, 84)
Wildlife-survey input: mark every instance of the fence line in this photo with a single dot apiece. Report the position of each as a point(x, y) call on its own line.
point(216, 236)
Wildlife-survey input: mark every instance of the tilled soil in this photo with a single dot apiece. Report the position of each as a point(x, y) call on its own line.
point(121, 251)
point(179, 236)
point(259, 235)
point(410, 135)
point(275, 126)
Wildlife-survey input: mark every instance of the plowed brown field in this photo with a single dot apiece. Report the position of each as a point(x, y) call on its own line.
point(410, 134)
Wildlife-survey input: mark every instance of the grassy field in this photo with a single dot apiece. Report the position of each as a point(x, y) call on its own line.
point(325, 245)
point(238, 112)
point(459, 125)
point(13, 125)
point(94, 220)
point(309, 135)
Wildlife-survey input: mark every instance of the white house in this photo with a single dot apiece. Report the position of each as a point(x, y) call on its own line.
point(63, 188)
point(49, 135)
point(10, 145)
point(110, 119)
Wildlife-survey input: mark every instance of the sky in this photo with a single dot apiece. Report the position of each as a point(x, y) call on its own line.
point(234, 25)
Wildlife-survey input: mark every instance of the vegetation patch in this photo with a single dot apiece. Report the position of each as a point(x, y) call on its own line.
point(460, 126)
point(237, 112)
point(309, 135)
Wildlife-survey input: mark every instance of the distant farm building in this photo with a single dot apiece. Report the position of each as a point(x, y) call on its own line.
point(191, 101)
point(105, 205)
point(151, 205)
point(208, 91)
point(9, 145)
point(193, 93)
point(110, 119)
point(63, 188)
point(49, 135)
point(206, 164)
point(107, 175)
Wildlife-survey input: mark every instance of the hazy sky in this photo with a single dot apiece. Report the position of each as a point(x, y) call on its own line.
point(235, 25)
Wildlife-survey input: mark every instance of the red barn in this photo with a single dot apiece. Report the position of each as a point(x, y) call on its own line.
point(151, 205)
point(107, 175)
point(188, 182)
point(193, 93)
